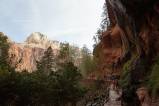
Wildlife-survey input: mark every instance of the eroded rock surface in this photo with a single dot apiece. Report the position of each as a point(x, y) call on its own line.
point(25, 55)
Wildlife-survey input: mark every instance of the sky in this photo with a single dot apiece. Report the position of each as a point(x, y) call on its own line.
point(73, 21)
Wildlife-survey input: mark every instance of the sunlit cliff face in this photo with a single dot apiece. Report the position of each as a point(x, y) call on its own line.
point(23, 56)
point(36, 38)
point(40, 40)
point(111, 51)
point(112, 45)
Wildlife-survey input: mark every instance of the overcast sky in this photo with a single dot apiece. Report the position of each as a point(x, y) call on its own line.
point(74, 21)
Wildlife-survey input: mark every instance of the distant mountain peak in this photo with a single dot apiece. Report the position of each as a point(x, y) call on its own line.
point(36, 38)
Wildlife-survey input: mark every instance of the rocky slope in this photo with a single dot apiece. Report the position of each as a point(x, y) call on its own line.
point(130, 44)
point(24, 55)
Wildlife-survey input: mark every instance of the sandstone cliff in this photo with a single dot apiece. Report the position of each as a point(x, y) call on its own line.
point(129, 46)
point(24, 55)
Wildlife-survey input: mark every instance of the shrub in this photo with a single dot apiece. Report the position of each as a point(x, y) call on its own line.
point(153, 82)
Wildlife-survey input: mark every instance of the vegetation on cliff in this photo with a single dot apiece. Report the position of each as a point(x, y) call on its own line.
point(45, 86)
point(135, 24)
point(153, 79)
point(4, 46)
point(47, 63)
point(126, 45)
point(88, 64)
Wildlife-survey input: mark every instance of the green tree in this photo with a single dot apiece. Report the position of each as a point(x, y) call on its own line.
point(68, 53)
point(88, 64)
point(40, 88)
point(4, 47)
point(153, 79)
point(74, 53)
point(25, 89)
point(64, 52)
point(68, 87)
point(47, 64)
point(105, 23)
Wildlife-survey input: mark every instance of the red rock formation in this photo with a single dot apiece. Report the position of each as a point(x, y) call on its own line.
point(133, 37)
point(24, 56)
point(144, 97)
point(110, 52)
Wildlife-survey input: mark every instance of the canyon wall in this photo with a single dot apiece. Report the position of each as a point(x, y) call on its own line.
point(24, 56)
point(129, 46)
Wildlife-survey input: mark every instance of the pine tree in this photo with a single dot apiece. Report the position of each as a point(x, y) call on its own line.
point(47, 64)
point(4, 47)
point(88, 64)
point(105, 23)
point(64, 52)
point(68, 53)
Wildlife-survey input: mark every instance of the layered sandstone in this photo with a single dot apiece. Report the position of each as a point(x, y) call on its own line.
point(132, 37)
point(24, 56)
point(111, 53)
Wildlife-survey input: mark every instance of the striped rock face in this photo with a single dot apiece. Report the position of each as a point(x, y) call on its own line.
point(23, 56)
